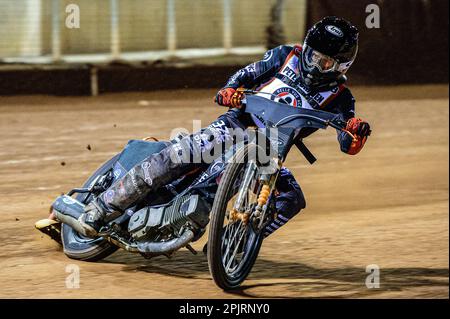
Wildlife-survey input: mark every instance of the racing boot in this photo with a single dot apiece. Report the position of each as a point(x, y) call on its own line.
point(94, 218)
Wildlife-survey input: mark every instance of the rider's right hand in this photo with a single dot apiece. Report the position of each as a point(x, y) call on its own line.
point(229, 97)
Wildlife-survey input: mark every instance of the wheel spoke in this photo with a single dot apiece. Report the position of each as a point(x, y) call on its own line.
point(227, 268)
point(231, 240)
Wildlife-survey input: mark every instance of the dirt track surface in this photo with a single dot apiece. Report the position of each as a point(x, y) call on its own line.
point(387, 206)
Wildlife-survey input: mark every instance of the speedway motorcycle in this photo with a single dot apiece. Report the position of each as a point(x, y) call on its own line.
point(234, 195)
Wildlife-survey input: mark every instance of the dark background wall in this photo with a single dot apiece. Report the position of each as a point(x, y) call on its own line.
point(411, 45)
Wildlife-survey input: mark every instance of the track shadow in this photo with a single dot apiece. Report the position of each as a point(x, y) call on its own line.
point(341, 282)
point(183, 264)
point(292, 277)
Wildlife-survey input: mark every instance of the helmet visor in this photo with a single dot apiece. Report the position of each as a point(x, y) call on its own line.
point(324, 63)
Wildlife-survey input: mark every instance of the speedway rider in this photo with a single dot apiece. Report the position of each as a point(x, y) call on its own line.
point(310, 76)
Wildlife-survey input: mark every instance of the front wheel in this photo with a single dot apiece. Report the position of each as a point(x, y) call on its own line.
point(233, 243)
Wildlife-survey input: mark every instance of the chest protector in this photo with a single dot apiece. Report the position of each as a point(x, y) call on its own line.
point(285, 87)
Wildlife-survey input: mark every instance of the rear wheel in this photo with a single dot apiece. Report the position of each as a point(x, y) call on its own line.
point(233, 244)
point(77, 246)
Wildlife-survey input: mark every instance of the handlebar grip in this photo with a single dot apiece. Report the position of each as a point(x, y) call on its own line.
point(341, 126)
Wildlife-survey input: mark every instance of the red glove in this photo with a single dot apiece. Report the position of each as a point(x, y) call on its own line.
point(229, 97)
point(361, 130)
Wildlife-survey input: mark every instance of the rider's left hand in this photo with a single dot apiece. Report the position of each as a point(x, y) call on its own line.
point(361, 130)
point(358, 127)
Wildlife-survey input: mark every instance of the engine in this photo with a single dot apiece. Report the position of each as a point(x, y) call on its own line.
point(152, 222)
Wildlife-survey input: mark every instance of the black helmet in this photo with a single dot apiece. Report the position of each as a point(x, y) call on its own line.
point(329, 50)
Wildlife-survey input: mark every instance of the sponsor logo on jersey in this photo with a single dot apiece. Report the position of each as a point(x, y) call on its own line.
point(268, 55)
point(318, 98)
point(288, 72)
point(288, 96)
point(251, 68)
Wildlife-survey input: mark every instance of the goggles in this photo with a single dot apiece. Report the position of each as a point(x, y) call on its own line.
point(323, 62)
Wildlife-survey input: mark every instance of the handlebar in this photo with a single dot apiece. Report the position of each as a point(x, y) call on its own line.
point(335, 123)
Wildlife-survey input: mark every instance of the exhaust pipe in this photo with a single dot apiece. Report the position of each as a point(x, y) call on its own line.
point(67, 210)
point(168, 246)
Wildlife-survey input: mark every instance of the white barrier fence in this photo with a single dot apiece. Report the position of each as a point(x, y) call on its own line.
point(95, 31)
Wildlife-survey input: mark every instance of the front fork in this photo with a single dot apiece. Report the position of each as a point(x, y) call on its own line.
point(267, 180)
point(239, 211)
